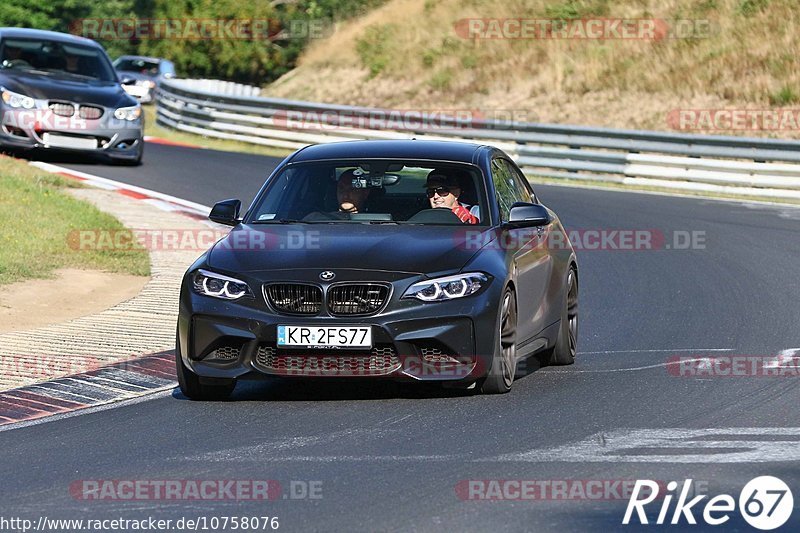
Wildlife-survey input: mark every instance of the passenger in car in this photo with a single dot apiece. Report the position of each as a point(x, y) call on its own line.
point(443, 190)
point(351, 200)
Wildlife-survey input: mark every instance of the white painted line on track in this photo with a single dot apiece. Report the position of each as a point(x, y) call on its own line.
point(786, 358)
point(103, 406)
point(708, 445)
point(363, 458)
point(110, 184)
point(670, 350)
point(631, 369)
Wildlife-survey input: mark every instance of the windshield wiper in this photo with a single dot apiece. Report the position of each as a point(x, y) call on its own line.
point(283, 221)
point(60, 72)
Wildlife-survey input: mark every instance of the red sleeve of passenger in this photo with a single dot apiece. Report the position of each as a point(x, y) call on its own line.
point(464, 215)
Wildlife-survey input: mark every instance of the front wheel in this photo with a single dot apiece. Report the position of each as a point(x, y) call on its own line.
point(563, 353)
point(504, 362)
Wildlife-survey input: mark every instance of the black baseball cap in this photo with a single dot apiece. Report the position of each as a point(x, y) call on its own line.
point(439, 178)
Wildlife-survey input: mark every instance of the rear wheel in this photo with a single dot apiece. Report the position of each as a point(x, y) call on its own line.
point(192, 388)
point(504, 362)
point(563, 353)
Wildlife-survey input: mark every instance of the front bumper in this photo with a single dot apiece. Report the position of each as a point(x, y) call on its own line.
point(30, 129)
point(142, 93)
point(412, 341)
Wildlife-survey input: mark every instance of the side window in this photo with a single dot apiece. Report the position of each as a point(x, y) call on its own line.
point(167, 69)
point(504, 187)
point(521, 183)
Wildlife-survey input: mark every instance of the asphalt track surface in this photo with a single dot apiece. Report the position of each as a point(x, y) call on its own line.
point(391, 458)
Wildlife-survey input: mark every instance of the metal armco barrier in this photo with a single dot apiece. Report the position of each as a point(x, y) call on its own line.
point(724, 164)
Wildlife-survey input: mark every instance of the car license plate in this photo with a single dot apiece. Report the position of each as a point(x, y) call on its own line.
point(325, 336)
point(64, 141)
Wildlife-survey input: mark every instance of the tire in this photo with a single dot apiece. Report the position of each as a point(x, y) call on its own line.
point(190, 385)
point(504, 361)
point(563, 353)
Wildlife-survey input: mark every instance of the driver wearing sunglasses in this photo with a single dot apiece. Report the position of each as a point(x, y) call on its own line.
point(443, 191)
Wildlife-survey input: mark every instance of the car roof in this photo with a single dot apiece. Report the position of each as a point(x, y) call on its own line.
point(29, 33)
point(461, 152)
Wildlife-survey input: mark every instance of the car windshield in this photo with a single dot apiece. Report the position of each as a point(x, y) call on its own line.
point(56, 58)
point(374, 192)
point(142, 66)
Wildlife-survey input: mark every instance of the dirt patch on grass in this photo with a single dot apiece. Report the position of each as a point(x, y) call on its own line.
point(72, 293)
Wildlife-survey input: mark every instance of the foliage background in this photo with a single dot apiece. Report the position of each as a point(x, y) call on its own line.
point(249, 61)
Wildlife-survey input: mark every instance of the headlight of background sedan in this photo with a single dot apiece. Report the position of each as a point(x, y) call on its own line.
point(219, 286)
point(447, 288)
point(17, 100)
point(128, 113)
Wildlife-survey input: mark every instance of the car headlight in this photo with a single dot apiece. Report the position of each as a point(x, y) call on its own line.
point(219, 286)
point(146, 83)
point(447, 288)
point(128, 113)
point(17, 100)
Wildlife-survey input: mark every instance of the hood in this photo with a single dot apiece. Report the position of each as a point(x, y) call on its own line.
point(53, 87)
point(412, 249)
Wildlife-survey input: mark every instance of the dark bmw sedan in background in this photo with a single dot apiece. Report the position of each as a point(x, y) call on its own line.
point(60, 92)
point(406, 260)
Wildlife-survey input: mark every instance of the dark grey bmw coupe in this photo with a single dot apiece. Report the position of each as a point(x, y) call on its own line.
point(406, 260)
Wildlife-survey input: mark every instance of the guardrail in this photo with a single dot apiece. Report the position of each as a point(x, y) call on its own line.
point(723, 164)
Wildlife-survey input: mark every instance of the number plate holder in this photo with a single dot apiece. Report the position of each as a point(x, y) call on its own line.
point(357, 337)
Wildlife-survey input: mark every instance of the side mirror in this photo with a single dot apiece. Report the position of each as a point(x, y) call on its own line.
point(226, 212)
point(526, 215)
point(127, 80)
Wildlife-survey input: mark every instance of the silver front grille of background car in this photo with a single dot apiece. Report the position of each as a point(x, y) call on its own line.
point(381, 360)
point(62, 109)
point(357, 298)
point(294, 298)
point(90, 112)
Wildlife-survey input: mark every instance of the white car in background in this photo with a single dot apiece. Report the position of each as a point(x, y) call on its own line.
point(140, 75)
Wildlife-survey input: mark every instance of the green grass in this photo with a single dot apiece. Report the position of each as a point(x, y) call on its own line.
point(38, 218)
point(154, 130)
point(374, 49)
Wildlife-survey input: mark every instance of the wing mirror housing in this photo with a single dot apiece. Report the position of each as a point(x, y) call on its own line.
point(528, 215)
point(226, 212)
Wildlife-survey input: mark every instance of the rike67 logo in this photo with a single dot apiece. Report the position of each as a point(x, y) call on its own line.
point(765, 503)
